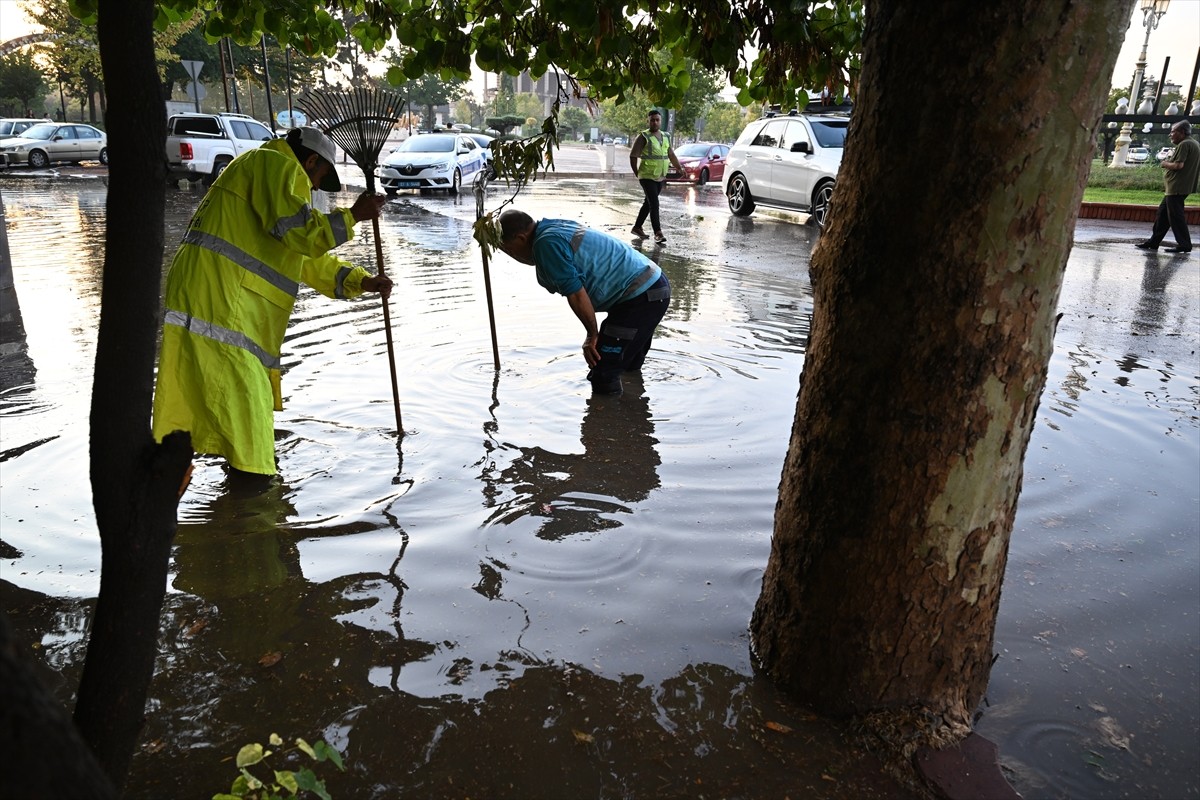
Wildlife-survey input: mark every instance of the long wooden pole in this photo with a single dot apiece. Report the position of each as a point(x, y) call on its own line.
point(387, 328)
point(480, 192)
point(487, 283)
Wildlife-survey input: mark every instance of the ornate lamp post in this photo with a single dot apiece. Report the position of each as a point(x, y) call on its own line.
point(1152, 11)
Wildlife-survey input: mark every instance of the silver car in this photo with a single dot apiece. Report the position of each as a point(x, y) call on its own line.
point(41, 145)
point(15, 126)
point(788, 162)
point(1138, 155)
point(432, 161)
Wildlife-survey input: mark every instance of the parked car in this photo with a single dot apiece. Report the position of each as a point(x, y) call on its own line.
point(1138, 155)
point(200, 146)
point(701, 162)
point(1164, 152)
point(14, 126)
point(485, 142)
point(432, 161)
point(788, 162)
point(41, 145)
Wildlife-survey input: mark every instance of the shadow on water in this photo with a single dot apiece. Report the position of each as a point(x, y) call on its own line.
point(540, 594)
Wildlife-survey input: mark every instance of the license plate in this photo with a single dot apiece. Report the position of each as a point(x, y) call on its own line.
point(408, 184)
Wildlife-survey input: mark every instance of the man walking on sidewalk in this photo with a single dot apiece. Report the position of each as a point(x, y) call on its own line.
point(652, 148)
point(1180, 174)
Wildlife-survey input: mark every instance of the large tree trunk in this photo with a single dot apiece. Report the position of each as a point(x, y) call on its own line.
point(43, 753)
point(135, 484)
point(935, 288)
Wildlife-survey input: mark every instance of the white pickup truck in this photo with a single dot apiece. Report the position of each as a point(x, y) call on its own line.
point(199, 146)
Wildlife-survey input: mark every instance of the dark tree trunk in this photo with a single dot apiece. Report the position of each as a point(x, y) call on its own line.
point(935, 287)
point(135, 483)
point(43, 754)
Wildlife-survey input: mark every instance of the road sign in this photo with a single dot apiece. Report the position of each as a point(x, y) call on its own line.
point(194, 89)
point(291, 119)
point(192, 68)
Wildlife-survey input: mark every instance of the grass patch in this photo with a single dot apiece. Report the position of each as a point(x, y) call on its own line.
point(1148, 178)
point(1139, 197)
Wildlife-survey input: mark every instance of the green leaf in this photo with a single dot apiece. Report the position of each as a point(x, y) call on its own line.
point(287, 780)
point(275, 740)
point(324, 751)
point(307, 748)
point(307, 781)
point(249, 755)
point(251, 781)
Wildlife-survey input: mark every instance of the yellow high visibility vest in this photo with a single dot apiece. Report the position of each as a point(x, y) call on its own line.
point(654, 160)
point(230, 291)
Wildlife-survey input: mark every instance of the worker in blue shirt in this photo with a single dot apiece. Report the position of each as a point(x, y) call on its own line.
point(595, 272)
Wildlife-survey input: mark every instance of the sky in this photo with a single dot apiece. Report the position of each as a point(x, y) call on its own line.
point(1177, 36)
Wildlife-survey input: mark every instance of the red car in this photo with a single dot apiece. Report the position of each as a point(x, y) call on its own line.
point(701, 161)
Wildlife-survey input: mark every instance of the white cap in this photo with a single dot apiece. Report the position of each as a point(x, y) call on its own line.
point(319, 143)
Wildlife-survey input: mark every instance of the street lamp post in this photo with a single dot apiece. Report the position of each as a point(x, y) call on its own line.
point(1152, 11)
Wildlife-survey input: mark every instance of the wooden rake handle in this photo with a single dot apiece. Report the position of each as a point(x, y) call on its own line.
point(387, 328)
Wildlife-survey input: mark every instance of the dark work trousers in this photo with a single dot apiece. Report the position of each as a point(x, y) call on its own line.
point(1171, 216)
point(625, 336)
point(650, 204)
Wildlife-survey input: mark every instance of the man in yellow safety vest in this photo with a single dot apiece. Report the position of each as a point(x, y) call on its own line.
point(233, 282)
point(652, 148)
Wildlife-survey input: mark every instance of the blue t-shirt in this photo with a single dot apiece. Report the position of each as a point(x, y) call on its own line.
point(569, 256)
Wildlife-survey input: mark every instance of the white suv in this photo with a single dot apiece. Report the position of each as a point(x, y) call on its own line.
point(788, 162)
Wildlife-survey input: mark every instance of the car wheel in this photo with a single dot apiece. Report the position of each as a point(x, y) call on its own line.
point(741, 203)
point(703, 179)
point(38, 159)
point(218, 168)
point(104, 156)
point(456, 182)
point(820, 205)
point(391, 192)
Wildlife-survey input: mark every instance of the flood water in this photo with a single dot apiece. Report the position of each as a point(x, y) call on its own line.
point(544, 594)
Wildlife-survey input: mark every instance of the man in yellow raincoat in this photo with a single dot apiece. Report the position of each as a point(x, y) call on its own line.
point(232, 285)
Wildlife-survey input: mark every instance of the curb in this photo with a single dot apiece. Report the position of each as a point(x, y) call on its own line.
point(1131, 213)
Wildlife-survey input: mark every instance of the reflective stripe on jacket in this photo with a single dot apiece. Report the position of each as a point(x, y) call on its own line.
point(233, 282)
point(654, 160)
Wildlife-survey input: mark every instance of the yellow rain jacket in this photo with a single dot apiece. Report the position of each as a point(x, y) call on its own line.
point(230, 291)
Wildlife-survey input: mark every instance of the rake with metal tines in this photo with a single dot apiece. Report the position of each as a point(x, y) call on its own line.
point(359, 121)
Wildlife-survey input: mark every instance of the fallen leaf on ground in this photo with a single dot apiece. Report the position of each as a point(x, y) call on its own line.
point(1113, 733)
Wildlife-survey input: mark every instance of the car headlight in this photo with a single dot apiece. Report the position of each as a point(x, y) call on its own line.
point(443, 166)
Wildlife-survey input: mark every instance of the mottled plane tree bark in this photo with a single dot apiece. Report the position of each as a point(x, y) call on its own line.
point(935, 289)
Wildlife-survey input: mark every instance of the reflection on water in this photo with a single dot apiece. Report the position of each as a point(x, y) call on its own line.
point(578, 493)
point(547, 594)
